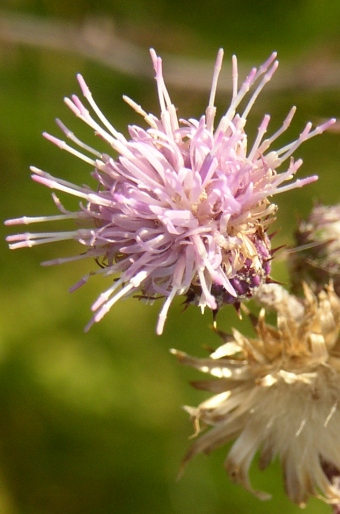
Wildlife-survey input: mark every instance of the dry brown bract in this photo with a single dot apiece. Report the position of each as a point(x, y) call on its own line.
point(278, 394)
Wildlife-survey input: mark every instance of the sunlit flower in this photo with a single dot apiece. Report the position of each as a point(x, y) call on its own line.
point(178, 208)
point(316, 258)
point(278, 394)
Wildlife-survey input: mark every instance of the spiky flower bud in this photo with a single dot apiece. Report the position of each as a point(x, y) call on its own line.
point(316, 258)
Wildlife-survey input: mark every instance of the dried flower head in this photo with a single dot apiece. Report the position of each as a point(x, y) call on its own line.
point(179, 207)
point(316, 258)
point(278, 394)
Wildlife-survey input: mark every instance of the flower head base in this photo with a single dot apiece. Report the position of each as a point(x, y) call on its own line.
point(316, 259)
point(278, 393)
point(182, 205)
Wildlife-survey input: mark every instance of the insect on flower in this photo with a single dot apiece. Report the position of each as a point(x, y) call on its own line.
point(178, 206)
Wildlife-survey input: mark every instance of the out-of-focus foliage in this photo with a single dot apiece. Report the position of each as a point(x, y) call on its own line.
point(91, 423)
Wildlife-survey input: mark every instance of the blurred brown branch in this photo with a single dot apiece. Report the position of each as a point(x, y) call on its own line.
point(96, 39)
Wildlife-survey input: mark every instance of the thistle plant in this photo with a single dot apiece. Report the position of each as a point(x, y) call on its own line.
point(180, 208)
point(183, 207)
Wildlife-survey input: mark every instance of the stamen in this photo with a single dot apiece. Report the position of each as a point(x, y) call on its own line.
point(81, 112)
point(63, 260)
point(27, 220)
point(226, 119)
point(64, 146)
point(268, 142)
point(88, 95)
point(163, 314)
point(168, 112)
point(27, 240)
point(234, 77)
point(53, 183)
point(149, 118)
point(306, 134)
point(261, 131)
point(258, 90)
point(157, 64)
point(133, 284)
point(300, 182)
point(211, 109)
point(207, 296)
point(70, 135)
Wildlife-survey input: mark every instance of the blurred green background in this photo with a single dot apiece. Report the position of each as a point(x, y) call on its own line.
point(92, 423)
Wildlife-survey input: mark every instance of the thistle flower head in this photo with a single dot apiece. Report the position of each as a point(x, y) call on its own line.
point(182, 205)
point(316, 258)
point(279, 394)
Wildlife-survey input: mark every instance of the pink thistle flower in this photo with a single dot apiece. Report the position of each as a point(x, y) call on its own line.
point(184, 206)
